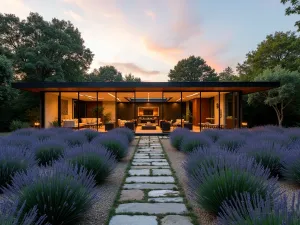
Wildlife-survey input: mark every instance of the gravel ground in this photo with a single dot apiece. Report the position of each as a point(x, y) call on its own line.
point(107, 192)
point(205, 218)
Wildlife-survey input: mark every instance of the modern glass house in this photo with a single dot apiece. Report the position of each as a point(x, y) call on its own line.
point(145, 107)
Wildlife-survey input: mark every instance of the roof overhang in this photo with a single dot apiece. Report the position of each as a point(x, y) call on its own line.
point(244, 87)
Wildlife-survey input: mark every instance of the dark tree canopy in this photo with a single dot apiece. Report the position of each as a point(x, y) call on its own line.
point(106, 74)
point(227, 75)
point(281, 49)
point(6, 77)
point(192, 69)
point(293, 8)
point(42, 50)
point(131, 78)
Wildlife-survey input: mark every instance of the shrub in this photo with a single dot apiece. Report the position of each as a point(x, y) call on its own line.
point(205, 158)
point(126, 131)
point(293, 134)
point(48, 151)
point(11, 215)
point(274, 138)
point(291, 166)
point(43, 135)
point(220, 181)
point(113, 142)
point(232, 141)
point(17, 124)
point(63, 194)
point(60, 130)
point(74, 139)
point(89, 134)
point(252, 210)
point(214, 134)
point(177, 135)
point(266, 153)
point(13, 160)
point(21, 142)
point(97, 160)
point(193, 141)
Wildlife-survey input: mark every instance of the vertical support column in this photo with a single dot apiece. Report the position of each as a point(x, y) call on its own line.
point(42, 109)
point(134, 113)
point(78, 110)
point(116, 108)
point(59, 109)
point(181, 108)
point(200, 104)
point(240, 102)
point(233, 110)
point(162, 106)
point(219, 110)
point(97, 110)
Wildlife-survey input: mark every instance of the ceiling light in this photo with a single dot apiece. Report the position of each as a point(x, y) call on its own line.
point(111, 95)
point(192, 94)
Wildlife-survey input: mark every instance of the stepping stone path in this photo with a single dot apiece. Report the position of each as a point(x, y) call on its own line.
point(150, 195)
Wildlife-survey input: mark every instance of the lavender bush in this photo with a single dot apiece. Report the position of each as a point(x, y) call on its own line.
point(97, 160)
point(126, 131)
point(13, 160)
point(177, 135)
point(60, 130)
point(193, 141)
point(74, 139)
point(62, 193)
point(89, 134)
point(221, 180)
point(44, 134)
point(267, 153)
point(291, 166)
point(231, 141)
point(113, 142)
point(10, 214)
point(214, 134)
point(21, 142)
point(24, 132)
point(247, 209)
point(48, 151)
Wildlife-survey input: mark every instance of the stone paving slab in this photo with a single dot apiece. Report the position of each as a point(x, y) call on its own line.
point(131, 195)
point(157, 157)
point(150, 167)
point(152, 208)
point(149, 179)
point(177, 199)
point(141, 157)
point(176, 220)
point(141, 164)
point(133, 220)
point(160, 164)
point(163, 193)
point(149, 160)
point(141, 172)
point(143, 186)
point(160, 172)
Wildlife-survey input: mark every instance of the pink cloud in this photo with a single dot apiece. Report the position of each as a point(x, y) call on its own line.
point(17, 7)
point(150, 14)
point(74, 15)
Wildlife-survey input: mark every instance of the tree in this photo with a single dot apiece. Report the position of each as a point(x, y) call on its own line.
point(278, 98)
point(293, 9)
point(227, 75)
point(6, 77)
point(131, 78)
point(106, 74)
point(192, 69)
point(44, 51)
point(279, 49)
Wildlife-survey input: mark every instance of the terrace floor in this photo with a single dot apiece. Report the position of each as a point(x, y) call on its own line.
point(150, 194)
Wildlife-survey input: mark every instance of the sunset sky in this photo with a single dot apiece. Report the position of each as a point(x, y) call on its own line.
point(148, 37)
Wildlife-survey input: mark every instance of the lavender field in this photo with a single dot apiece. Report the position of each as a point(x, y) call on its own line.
point(50, 176)
point(237, 176)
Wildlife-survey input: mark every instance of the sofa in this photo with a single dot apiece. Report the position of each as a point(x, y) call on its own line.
point(74, 122)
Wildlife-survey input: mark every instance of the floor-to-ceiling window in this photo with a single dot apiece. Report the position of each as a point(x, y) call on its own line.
point(125, 110)
point(192, 110)
point(174, 109)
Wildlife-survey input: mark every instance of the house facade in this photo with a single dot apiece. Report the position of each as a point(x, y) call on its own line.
point(145, 107)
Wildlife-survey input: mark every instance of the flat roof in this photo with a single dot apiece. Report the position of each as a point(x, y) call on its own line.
point(244, 87)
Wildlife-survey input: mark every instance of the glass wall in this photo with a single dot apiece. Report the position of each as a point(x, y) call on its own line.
point(103, 111)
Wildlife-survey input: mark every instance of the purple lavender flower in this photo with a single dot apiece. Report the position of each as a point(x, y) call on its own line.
point(231, 141)
point(126, 131)
point(24, 132)
point(74, 139)
point(13, 160)
point(89, 134)
point(12, 214)
point(113, 142)
point(44, 134)
point(177, 136)
point(252, 209)
point(96, 159)
point(21, 142)
point(214, 134)
point(63, 192)
point(193, 141)
point(291, 166)
point(220, 179)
